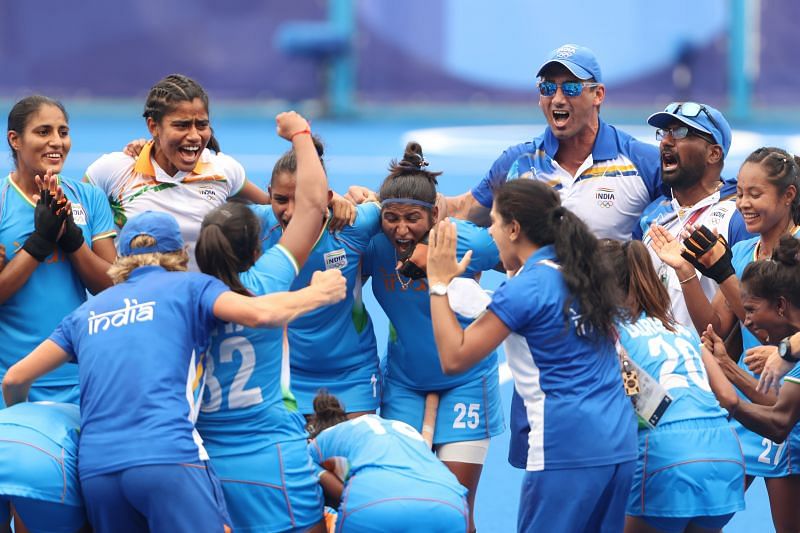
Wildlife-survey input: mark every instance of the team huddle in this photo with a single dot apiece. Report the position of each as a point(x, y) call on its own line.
point(182, 351)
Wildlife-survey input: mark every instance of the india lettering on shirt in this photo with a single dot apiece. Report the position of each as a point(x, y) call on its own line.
point(392, 282)
point(132, 312)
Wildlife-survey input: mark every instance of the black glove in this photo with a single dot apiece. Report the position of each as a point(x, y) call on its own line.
point(701, 241)
point(46, 225)
point(73, 236)
point(413, 264)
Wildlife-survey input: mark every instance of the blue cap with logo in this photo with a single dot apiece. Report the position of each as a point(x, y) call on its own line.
point(160, 226)
point(578, 59)
point(700, 117)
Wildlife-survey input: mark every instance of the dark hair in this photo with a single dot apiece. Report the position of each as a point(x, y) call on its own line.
point(21, 113)
point(228, 244)
point(637, 278)
point(408, 178)
point(537, 208)
point(783, 170)
point(779, 276)
point(170, 91)
point(328, 412)
point(287, 163)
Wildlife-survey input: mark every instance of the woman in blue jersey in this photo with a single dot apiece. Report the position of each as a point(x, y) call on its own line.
point(347, 364)
point(51, 259)
point(469, 410)
point(140, 347)
point(392, 482)
point(767, 196)
point(39, 468)
point(771, 290)
point(558, 313)
point(256, 440)
point(690, 473)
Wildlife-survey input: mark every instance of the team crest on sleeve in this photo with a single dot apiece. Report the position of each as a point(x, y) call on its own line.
point(604, 197)
point(79, 214)
point(336, 259)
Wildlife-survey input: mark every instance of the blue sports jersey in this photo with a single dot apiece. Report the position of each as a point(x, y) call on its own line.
point(763, 456)
point(370, 441)
point(54, 288)
point(672, 358)
point(621, 176)
point(243, 395)
point(51, 431)
point(140, 348)
point(412, 358)
point(570, 384)
point(344, 329)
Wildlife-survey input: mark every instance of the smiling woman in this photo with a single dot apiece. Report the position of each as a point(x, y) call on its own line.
point(53, 255)
point(181, 170)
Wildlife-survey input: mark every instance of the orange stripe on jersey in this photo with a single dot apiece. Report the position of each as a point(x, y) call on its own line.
point(197, 375)
point(214, 177)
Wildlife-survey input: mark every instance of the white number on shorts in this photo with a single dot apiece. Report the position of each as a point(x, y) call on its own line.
point(238, 396)
point(691, 361)
point(377, 428)
point(764, 457)
point(473, 418)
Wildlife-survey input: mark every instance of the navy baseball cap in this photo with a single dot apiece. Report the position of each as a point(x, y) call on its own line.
point(701, 117)
point(578, 59)
point(160, 226)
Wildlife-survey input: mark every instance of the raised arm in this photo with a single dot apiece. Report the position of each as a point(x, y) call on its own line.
point(311, 190)
point(459, 349)
point(280, 308)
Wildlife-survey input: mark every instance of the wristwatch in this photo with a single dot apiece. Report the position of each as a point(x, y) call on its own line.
point(785, 350)
point(438, 289)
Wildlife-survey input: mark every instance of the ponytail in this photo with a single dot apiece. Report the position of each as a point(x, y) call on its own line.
point(228, 244)
point(537, 208)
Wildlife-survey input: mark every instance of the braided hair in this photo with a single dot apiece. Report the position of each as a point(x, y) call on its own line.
point(170, 91)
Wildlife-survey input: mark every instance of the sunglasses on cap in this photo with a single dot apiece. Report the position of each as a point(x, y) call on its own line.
point(569, 88)
point(681, 132)
point(690, 110)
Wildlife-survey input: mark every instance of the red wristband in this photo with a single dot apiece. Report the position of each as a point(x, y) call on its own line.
point(301, 132)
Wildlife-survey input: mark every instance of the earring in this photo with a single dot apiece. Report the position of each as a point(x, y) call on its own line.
point(780, 312)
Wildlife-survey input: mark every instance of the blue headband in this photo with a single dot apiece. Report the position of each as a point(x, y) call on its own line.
point(409, 201)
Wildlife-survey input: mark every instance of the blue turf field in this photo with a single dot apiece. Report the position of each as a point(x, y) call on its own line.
point(359, 153)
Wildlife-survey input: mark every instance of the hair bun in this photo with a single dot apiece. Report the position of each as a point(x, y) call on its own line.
point(787, 251)
point(318, 145)
point(413, 158)
point(557, 213)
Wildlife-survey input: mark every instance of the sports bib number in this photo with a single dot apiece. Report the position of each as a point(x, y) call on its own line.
point(239, 397)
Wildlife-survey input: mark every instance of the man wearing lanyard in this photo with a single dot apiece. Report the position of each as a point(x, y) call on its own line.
point(695, 139)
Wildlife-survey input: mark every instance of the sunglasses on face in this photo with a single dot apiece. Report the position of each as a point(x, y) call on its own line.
point(690, 110)
point(681, 132)
point(569, 88)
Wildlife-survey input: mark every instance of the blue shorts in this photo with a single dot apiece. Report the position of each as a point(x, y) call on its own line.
point(686, 470)
point(575, 499)
point(765, 458)
point(172, 497)
point(41, 516)
point(375, 500)
point(274, 489)
point(472, 411)
point(359, 389)
point(33, 466)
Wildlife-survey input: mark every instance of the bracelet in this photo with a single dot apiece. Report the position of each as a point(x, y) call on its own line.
point(687, 280)
point(301, 132)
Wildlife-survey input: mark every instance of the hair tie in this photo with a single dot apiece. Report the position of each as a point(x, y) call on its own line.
point(558, 213)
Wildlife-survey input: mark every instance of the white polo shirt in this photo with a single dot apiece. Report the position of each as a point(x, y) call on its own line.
point(137, 185)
